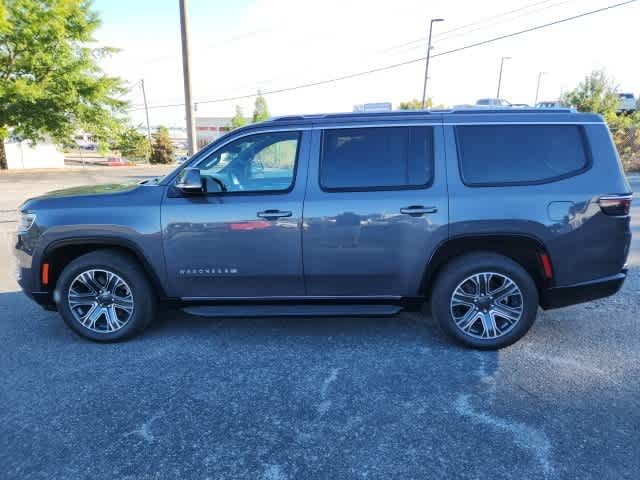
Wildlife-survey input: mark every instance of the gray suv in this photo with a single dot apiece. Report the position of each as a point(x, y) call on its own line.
point(484, 215)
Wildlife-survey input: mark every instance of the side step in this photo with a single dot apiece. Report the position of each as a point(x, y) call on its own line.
point(298, 310)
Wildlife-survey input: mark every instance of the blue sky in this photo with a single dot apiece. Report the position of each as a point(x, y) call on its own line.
point(241, 46)
point(156, 14)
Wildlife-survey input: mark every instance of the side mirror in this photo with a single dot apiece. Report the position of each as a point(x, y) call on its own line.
point(190, 181)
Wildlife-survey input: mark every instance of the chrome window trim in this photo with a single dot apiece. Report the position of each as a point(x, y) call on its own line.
point(522, 123)
point(337, 125)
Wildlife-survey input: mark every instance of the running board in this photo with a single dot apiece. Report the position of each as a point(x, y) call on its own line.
point(298, 310)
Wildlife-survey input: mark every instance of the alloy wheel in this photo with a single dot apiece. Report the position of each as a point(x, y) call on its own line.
point(100, 300)
point(486, 305)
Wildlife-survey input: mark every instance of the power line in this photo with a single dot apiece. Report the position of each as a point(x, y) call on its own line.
point(438, 36)
point(510, 19)
point(402, 64)
point(218, 44)
point(472, 24)
point(532, 29)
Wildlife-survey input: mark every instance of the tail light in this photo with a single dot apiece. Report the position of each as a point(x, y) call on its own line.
point(616, 204)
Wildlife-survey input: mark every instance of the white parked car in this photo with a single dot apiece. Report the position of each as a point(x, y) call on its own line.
point(626, 103)
point(493, 102)
point(549, 104)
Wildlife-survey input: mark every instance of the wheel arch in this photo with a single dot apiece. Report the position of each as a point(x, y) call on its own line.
point(523, 249)
point(59, 253)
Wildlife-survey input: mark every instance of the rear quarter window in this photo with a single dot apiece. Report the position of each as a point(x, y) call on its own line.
point(520, 154)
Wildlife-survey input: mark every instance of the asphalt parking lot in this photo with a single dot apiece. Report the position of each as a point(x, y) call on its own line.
point(284, 398)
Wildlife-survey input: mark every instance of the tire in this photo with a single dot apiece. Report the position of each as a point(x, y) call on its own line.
point(128, 296)
point(484, 318)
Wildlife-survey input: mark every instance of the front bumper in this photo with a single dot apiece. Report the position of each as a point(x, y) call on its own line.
point(558, 297)
point(42, 298)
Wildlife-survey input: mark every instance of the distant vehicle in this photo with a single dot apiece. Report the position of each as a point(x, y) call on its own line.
point(520, 105)
point(493, 102)
point(549, 104)
point(373, 107)
point(117, 161)
point(626, 103)
point(85, 142)
point(180, 159)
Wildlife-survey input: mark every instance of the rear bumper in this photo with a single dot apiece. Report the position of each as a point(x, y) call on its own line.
point(582, 292)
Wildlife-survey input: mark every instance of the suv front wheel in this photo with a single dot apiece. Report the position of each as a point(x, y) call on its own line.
point(105, 296)
point(484, 300)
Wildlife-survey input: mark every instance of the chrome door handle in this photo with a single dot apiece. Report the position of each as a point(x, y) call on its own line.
point(274, 214)
point(418, 210)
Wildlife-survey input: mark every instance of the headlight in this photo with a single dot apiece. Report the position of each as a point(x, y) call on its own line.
point(26, 221)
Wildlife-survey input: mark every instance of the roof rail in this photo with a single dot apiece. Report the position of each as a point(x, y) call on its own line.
point(481, 110)
point(471, 109)
point(289, 118)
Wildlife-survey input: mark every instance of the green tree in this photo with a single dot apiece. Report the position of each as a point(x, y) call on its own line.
point(596, 93)
point(238, 119)
point(133, 145)
point(260, 110)
point(162, 148)
point(416, 104)
point(50, 81)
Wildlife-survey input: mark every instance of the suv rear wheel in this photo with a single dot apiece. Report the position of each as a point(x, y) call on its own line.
point(484, 300)
point(105, 296)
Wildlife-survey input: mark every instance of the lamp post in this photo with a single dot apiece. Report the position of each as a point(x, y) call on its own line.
point(426, 69)
point(538, 87)
point(500, 75)
point(146, 112)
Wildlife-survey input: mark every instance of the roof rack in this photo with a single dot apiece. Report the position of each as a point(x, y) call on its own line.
point(481, 110)
point(471, 109)
point(289, 118)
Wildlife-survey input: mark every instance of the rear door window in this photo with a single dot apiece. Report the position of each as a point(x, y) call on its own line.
point(520, 154)
point(377, 158)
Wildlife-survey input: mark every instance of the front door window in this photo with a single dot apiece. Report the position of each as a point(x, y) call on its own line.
point(263, 162)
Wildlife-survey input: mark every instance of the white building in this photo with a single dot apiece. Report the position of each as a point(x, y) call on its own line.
point(209, 129)
point(23, 155)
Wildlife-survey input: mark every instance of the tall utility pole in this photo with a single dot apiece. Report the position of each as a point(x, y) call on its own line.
point(426, 68)
point(538, 87)
point(188, 103)
point(500, 74)
point(146, 110)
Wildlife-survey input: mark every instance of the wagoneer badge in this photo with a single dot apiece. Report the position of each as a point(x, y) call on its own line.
point(207, 271)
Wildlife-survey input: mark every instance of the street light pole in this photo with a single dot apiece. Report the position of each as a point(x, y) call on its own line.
point(188, 103)
point(426, 68)
point(538, 87)
point(146, 110)
point(500, 75)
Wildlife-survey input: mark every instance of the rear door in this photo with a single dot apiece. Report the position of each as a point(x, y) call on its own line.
point(375, 210)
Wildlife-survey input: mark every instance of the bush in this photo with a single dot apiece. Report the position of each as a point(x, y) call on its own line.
point(133, 145)
point(162, 148)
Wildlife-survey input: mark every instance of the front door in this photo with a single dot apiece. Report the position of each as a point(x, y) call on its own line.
point(375, 211)
point(242, 237)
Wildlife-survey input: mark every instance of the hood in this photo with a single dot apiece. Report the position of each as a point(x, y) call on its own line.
point(85, 196)
point(110, 188)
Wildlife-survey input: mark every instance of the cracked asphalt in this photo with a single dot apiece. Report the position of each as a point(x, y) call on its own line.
point(285, 398)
